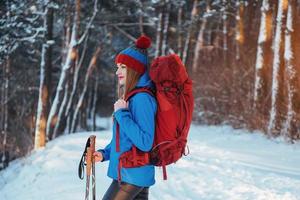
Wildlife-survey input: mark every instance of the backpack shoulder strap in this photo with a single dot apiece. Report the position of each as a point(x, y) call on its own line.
point(138, 90)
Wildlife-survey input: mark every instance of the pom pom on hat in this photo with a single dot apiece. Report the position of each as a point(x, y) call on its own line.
point(135, 57)
point(143, 42)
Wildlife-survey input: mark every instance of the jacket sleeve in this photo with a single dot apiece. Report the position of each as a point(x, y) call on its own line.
point(138, 122)
point(105, 152)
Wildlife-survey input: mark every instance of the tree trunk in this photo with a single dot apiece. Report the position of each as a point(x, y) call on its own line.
point(93, 110)
point(90, 69)
point(70, 60)
point(194, 13)
point(277, 99)
point(75, 79)
point(2, 94)
point(45, 80)
point(180, 31)
point(166, 28)
point(67, 33)
point(4, 158)
point(83, 115)
point(90, 100)
point(263, 59)
point(41, 119)
point(296, 82)
point(61, 118)
point(141, 21)
point(290, 126)
point(200, 39)
point(239, 37)
point(158, 35)
point(225, 24)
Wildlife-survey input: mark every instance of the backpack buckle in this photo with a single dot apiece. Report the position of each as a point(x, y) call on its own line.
point(179, 89)
point(166, 89)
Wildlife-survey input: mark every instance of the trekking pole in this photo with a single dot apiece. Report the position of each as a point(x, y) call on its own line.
point(92, 147)
point(88, 172)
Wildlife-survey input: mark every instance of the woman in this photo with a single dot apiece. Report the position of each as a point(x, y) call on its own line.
point(136, 119)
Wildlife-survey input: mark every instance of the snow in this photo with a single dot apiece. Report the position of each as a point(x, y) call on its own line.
point(223, 164)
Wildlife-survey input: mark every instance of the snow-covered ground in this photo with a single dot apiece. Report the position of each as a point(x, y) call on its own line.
point(223, 164)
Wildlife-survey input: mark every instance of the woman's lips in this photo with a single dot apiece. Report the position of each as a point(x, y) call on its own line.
point(120, 77)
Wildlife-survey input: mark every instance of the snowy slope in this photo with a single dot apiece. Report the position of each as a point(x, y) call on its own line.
point(224, 164)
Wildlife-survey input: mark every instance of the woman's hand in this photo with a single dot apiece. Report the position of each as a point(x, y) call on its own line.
point(120, 104)
point(97, 156)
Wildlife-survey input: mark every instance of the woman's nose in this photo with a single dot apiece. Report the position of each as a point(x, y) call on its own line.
point(118, 71)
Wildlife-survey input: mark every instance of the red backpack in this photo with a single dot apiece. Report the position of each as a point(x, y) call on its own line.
point(173, 119)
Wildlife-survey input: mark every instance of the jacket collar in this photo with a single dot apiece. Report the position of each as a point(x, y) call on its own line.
point(145, 81)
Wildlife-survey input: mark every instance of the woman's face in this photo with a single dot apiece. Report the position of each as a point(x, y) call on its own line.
point(121, 73)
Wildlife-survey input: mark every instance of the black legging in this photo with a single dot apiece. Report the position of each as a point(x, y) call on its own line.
point(125, 191)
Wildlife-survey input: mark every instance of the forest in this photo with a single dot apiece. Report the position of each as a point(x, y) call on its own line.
point(57, 70)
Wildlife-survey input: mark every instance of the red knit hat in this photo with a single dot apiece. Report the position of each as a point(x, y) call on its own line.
point(136, 57)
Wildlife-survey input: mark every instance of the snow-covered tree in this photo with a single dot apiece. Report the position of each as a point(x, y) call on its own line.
point(263, 56)
point(275, 121)
point(194, 14)
point(166, 28)
point(225, 24)
point(4, 113)
point(45, 73)
point(239, 33)
point(90, 70)
point(200, 39)
point(289, 129)
point(19, 23)
point(158, 39)
point(180, 29)
point(70, 62)
point(94, 102)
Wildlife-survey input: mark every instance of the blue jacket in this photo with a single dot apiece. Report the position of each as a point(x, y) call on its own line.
point(137, 126)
